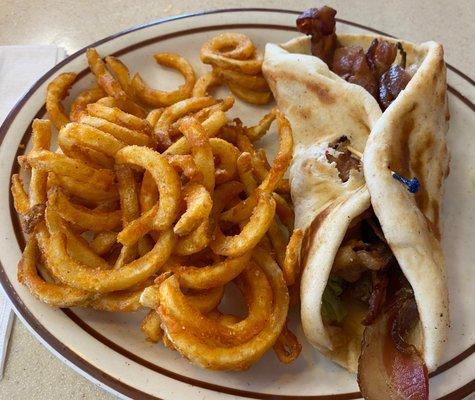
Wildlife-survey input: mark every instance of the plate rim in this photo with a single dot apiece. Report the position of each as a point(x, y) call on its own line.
point(94, 373)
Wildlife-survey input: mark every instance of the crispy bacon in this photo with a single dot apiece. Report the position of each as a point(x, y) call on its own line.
point(351, 64)
point(404, 322)
point(320, 24)
point(373, 71)
point(380, 56)
point(384, 371)
point(377, 296)
point(391, 84)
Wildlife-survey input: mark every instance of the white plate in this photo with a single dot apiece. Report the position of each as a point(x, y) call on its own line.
point(111, 350)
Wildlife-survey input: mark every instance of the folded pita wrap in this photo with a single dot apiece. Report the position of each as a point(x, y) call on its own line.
point(408, 138)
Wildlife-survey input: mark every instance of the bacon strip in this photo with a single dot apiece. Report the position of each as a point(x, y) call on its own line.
point(384, 371)
point(377, 296)
point(320, 24)
point(391, 84)
point(352, 65)
point(372, 70)
point(380, 56)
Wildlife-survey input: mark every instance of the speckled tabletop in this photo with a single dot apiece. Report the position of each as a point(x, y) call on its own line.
point(32, 372)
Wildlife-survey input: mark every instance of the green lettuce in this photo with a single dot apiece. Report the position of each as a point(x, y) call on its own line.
point(333, 309)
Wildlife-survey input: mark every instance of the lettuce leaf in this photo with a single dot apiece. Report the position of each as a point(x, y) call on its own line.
point(333, 309)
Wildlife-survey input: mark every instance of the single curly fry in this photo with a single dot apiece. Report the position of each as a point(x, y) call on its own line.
point(185, 164)
point(251, 82)
point(287, 347)
point(229, 44)
point(119, 117)
point(283, 157)
point(251, 234)
point(225, 156)
point(214, 275)
point(82, 100)
point(41, 138)
point(291, 260)
point(92, 220)
point(104, 78)
point(201, 150)
point(198, 207)
point(129, 203)
point(249, 95)
point(284, 211)
point(21, 201)
point(211, 125)
point(251, 66)
point(128, 193)
point(195, 241)
point(57, 90)
point(175, 112)
point(255, 132)
point(121, 73)
point(126, 105)
point(53, 294)
point(76, 274)
point(86, 191)
point(166, 179)
point(74, 135)
point(278, 240)
point(160, 98)
point(205, 83)
point(244, 168)
point(254, 286)
point(125, 135)
point(240, 357)
point(150, 326)
point(65, 166)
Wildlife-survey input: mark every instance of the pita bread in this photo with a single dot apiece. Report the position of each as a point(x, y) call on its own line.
point(322, 95)
point(409, 138)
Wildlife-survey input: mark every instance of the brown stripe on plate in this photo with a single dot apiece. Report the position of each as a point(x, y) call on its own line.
point(205, 385)
point(133, 357)
point(461, 392)
point(78, 360)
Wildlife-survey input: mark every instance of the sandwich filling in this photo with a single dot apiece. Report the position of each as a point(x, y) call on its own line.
point(369, 303)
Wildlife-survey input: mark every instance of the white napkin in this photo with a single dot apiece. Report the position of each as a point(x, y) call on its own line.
point(20, 67)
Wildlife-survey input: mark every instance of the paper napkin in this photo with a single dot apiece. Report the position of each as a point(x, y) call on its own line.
point(20, 67)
